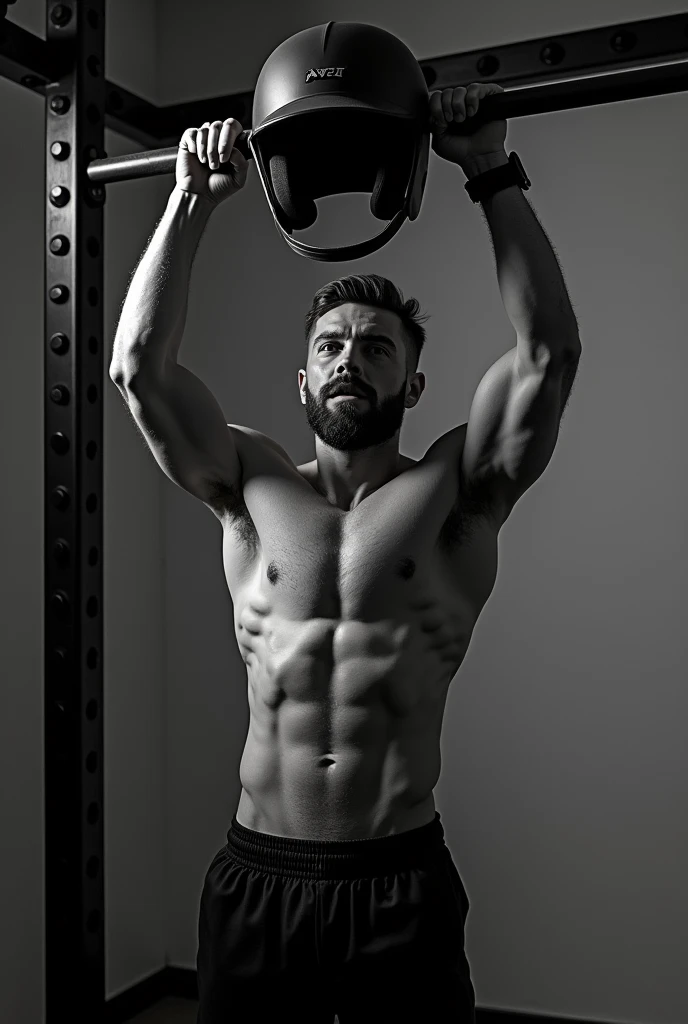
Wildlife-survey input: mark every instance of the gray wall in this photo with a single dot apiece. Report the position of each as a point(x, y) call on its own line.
point(562, 789)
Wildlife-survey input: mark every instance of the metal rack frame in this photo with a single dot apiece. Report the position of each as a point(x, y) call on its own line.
point(68, 70)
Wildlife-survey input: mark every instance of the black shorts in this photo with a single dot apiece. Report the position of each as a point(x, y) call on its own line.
point(369, 929)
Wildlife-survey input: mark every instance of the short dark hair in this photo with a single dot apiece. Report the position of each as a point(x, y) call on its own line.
point(371, 290)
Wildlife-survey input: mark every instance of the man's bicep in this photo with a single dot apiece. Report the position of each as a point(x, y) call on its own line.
point(514, 424)
point(485, 421)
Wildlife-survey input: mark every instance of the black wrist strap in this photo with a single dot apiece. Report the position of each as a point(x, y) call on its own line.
point(485, 185)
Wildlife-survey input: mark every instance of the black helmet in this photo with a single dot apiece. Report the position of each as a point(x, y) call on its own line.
point(341, 107)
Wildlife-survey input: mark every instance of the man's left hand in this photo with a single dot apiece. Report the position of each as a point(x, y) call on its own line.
point(457, 107)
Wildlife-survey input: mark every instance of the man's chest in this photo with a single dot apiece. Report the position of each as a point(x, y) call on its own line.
point(413, 543)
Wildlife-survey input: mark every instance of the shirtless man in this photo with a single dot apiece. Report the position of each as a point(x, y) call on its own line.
point(356, 580)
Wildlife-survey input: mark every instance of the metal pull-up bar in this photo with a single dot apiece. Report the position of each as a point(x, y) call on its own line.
point(524, 102)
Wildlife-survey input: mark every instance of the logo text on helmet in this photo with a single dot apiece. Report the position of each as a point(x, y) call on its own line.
point(314, 73)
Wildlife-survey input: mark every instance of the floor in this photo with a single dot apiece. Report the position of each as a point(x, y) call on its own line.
point(170, 1011)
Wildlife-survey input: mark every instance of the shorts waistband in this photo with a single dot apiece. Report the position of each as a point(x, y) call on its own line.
point(347, 858)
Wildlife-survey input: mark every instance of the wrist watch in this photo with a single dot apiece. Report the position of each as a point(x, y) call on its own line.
point(484, 185)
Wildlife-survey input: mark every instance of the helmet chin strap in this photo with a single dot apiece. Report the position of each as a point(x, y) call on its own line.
point(345, 252)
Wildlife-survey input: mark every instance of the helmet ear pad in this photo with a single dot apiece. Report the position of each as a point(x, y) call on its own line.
point(331, 152)
point(300, 211)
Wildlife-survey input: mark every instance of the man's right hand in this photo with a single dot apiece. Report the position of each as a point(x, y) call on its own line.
point(201, 151)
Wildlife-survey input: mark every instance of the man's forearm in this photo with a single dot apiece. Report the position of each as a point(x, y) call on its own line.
point(530, 280)
point(153, 316)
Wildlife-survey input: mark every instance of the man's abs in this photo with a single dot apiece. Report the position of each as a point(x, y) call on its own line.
point(344, 731)
point(380, 785)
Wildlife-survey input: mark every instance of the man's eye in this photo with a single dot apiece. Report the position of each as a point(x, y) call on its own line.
point(328, 343)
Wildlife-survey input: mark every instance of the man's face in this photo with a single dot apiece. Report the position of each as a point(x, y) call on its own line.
point(368, 356)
